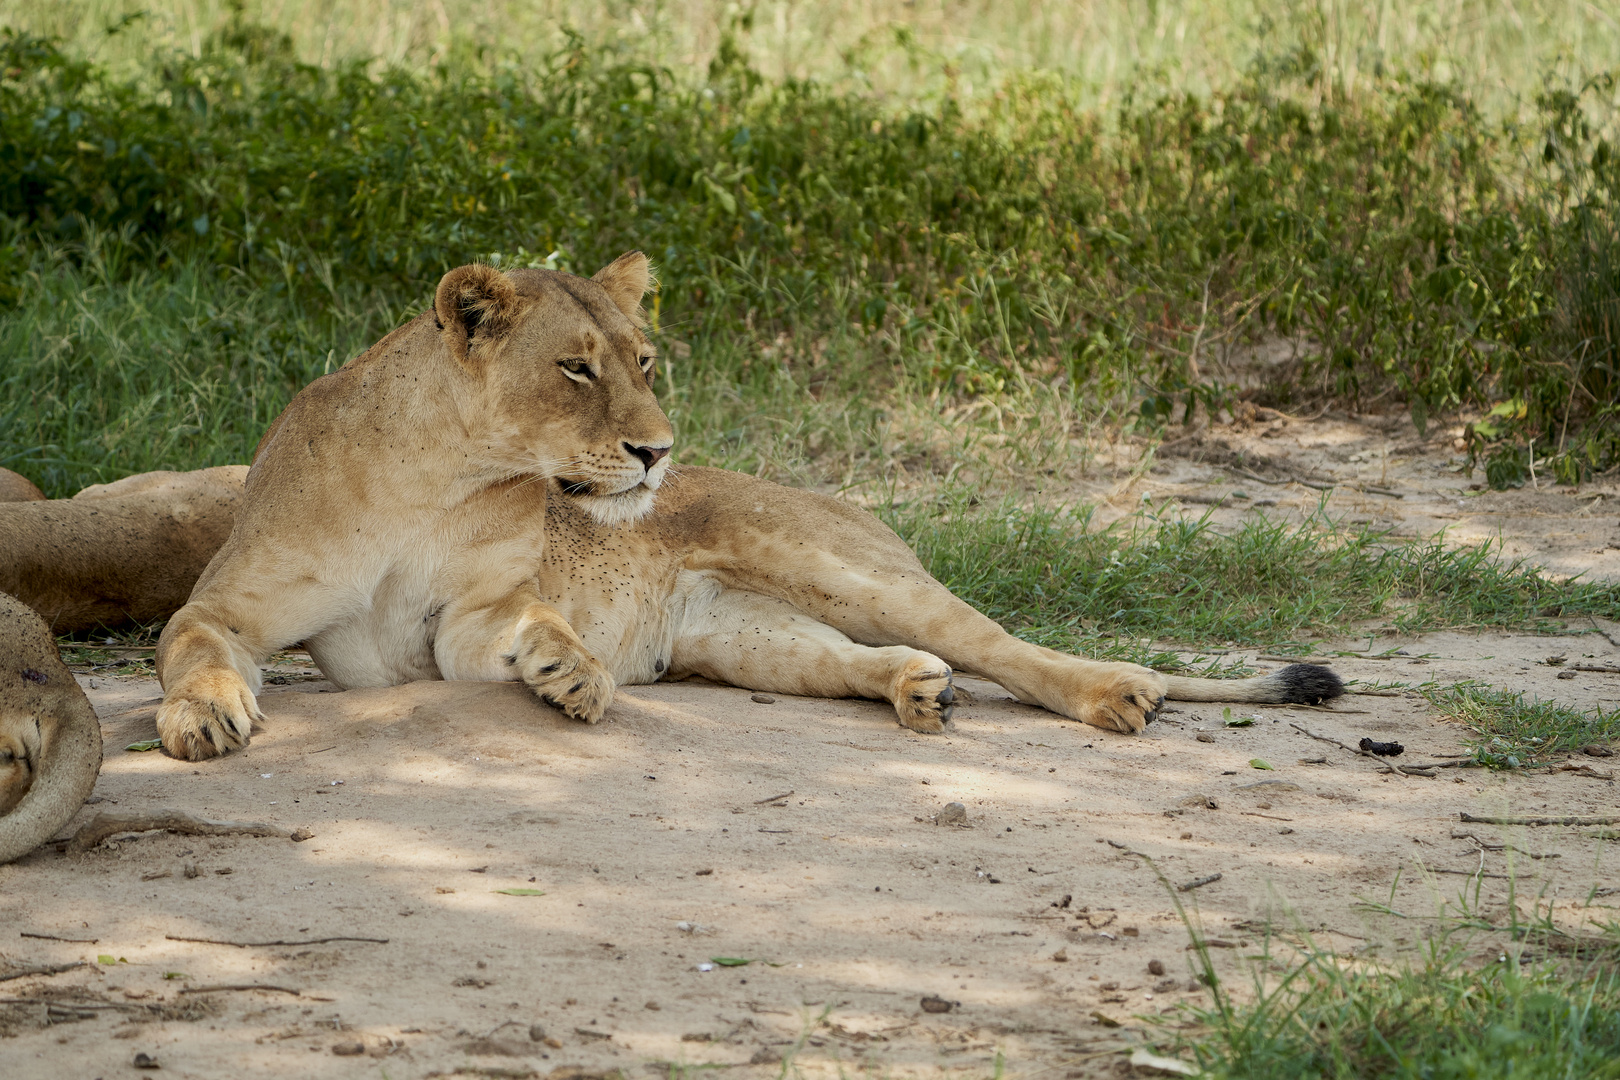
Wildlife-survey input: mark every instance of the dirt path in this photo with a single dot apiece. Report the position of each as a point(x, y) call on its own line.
point(658, 846)
point(1381, 473)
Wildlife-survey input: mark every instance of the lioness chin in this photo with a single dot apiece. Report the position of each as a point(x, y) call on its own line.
point(474, 498)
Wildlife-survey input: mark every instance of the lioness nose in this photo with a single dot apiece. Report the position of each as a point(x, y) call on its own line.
point(649, 455)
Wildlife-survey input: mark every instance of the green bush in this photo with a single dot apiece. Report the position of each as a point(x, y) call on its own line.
point(1413, 246)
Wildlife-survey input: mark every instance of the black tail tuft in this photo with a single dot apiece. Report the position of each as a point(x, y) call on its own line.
point(1307, 684)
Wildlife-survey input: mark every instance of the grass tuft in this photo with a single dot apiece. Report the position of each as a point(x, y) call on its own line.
point(1054, 579)
point(1513, 730)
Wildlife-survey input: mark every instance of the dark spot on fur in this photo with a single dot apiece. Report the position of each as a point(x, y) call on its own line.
point(35, 676)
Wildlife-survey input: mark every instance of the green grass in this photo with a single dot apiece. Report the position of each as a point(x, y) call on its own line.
point(1515, 730)
point(818, 242)
point(1443, 1019)
point(1050, 576)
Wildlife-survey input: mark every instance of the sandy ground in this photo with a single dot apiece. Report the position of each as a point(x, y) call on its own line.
point(658, 846)
point(696, 823)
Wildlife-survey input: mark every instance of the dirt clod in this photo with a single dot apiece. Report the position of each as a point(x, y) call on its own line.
point(1155, 967)
point(300, 834)
point(146, 1061)
point(954, 813)
point(933, 1003)
point(537, 1033)
point(349, 1048)
point(1204, 736)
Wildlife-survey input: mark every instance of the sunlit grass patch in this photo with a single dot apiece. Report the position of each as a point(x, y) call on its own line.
point(1514, 729)
point(1055, 579)
point(1440, 1020)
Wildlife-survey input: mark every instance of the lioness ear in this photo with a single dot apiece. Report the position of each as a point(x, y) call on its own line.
point(627, 280)
point(473, 302)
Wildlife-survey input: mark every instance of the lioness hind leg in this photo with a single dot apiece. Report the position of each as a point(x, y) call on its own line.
point(760, 643)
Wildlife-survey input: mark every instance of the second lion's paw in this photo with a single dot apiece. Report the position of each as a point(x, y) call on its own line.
point(574, 681)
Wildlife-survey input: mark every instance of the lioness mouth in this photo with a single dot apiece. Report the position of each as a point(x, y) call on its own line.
point(577, 487)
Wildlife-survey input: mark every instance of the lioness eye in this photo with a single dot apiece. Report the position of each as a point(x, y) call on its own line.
point(577, 367)
point(647, 367)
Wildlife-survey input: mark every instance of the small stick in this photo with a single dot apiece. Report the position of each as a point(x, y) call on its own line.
point(1601, 669)
point(773, 798)
point(1323, 738)
point(1270, 817)
point(53, 937)
point(47, 969)
point(264, 944)
point(66, 1004)
point(1466, 873)
point(1455, 835)
point(240, 986)
point(1471, 819)
point(1198, 883)
point(111, 822)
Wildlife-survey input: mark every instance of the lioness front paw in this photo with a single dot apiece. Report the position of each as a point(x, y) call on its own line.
point(207, 715)
point(1126, 698)
point(924, 695)
point(569, 678)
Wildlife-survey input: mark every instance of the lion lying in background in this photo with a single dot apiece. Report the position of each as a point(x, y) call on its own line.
point(473, 498)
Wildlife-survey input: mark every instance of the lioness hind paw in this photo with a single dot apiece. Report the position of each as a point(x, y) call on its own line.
point(924, 700)
point(1127, 703)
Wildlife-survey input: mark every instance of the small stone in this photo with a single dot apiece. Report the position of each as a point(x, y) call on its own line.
point(954, 813)
point(1130, 931)
point(299, 835)
point(1204, 736)
point(1061, 956)
point(1164, 986)
point(349, 1048)
point(1285, 831)
point(763, 699)
point(1595, 750)
point(653, 1005)
point(224, 870)
point(537, 1033)
point(1186, 836)
point(1155, 967)
point(146, 1061)
point(933, 1003)
point(1566, 674)
point(192, 870)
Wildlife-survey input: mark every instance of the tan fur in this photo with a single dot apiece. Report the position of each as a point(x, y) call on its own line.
point(466, 502)
point(394, 514)
point(50, 740)
point(14, 487)
point(117, 553)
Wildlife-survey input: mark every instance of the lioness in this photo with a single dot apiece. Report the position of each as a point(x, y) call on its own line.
point(473, 498)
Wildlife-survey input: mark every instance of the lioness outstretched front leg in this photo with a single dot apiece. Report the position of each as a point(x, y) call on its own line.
point(209, 669)
point(519, 636)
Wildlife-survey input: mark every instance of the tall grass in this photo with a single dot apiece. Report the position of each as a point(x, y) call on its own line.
point(966, 243)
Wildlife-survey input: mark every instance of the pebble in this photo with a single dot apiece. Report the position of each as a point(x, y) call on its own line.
point(1155, 967)
point(349, 1048)
point(933, 1003)
point(146, 1061)
point(1061, 956)
point(1203, 736)
point(537, 1033)
point(763, 699)
point(954, 813)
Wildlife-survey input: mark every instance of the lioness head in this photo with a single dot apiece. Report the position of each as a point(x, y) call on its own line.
point(567, 376)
